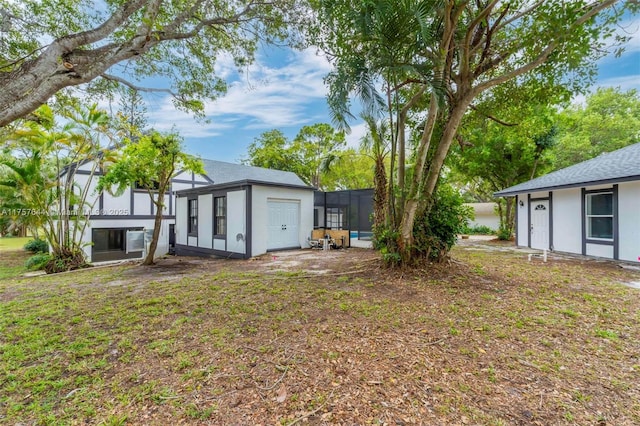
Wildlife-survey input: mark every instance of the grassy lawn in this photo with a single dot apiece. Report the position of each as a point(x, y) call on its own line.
point(12, 257)
point(13, 243)
point(489, 339)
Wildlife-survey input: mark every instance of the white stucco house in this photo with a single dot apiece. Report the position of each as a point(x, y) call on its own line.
point(249, 212)
point(485, 215)
point(110, 217)
point(591, 208)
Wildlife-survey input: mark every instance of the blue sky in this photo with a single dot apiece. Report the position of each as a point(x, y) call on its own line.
point(284, 90)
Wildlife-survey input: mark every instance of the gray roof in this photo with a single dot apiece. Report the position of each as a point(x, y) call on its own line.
point(622, 165)
point(221, 172)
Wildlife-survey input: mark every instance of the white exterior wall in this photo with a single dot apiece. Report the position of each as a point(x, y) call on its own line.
point(182, 218)
point(629, 221)
point(205, 221)
point(567, 223)
point(236, 221)
point(599, 250)
point(259, 214)
point(117, 205)
point(522, 231)
point(486, 219)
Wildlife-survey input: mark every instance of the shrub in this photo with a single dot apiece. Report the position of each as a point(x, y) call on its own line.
point(434, 233)
point(37, 262)
point(437, 232)
point(67, 261)
point(37, 245)
point(504, 234)
point(478, 230)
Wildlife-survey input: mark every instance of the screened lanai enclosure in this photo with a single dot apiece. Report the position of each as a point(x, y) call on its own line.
point(345, 210)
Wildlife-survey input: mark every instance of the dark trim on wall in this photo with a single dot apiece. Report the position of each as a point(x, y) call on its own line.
point(247, 237)
point(127, 217)
point(517, 206)
point(540, 198)
point(193, 179)
point(529, 220)
point(171, 198)
point(600, 242)
point(583, 210)
point(131, 202)
point(87, 173)
point(551, 220)
point(189, 182)
point(183, 250)
point(616, 229)
point(568, 186)
point(101, 201)
point(298, 247)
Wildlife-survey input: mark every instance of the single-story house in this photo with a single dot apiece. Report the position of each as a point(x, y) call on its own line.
point(591, 208)
point(485, 214)
point(246, 213)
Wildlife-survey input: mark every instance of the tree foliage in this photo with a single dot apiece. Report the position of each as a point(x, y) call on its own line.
point(609, 120)
point(436, 59)
point(149, 162)
point(48, 46)
point(46, 157)
point(311, 154)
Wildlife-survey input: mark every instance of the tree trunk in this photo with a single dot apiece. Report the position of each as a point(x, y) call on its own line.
point(380, 194)
point(429, 174)
point(157, 224)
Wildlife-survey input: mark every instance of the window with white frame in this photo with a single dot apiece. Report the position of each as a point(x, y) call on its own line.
point(600, 216)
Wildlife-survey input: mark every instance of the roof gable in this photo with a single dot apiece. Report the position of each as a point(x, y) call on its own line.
point(222, 172)
point(617, 166)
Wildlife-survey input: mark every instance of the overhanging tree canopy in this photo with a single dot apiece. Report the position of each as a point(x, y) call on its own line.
point(48, 46)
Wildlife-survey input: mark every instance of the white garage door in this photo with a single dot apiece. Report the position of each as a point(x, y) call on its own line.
point(284, 222)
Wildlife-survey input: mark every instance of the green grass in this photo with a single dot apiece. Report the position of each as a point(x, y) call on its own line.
point(13, 243)
point(132, 345)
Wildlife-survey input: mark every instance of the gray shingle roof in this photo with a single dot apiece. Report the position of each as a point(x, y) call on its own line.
point(617, 166)
point(222, 172)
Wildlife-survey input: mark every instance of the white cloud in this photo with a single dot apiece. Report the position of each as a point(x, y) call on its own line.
point(357, 132)
point(261, 97)
point(625, 82)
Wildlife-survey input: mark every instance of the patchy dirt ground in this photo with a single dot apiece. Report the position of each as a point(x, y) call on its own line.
point(329, 338)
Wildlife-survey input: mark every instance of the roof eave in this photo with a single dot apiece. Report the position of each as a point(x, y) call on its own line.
point(508, 193)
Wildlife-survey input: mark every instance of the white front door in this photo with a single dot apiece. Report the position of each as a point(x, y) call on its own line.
point(284, 219)
point(540, 224)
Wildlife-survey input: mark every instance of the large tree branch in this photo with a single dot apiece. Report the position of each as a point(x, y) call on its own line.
point(79, 58)
point(592, 10)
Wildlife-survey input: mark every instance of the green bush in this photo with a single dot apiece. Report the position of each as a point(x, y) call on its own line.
point(478, 230)
point(37, 262)
point(504, 234)
point(435, 233)
point(37, 245)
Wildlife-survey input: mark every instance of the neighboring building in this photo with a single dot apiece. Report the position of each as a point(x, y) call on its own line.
point(485, 215)
point(591, 208)
point(246, 212)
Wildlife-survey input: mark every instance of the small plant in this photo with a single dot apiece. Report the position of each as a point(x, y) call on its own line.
point(478, 230)
point(37, 245)
point(37, 262)
point(504, 234)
